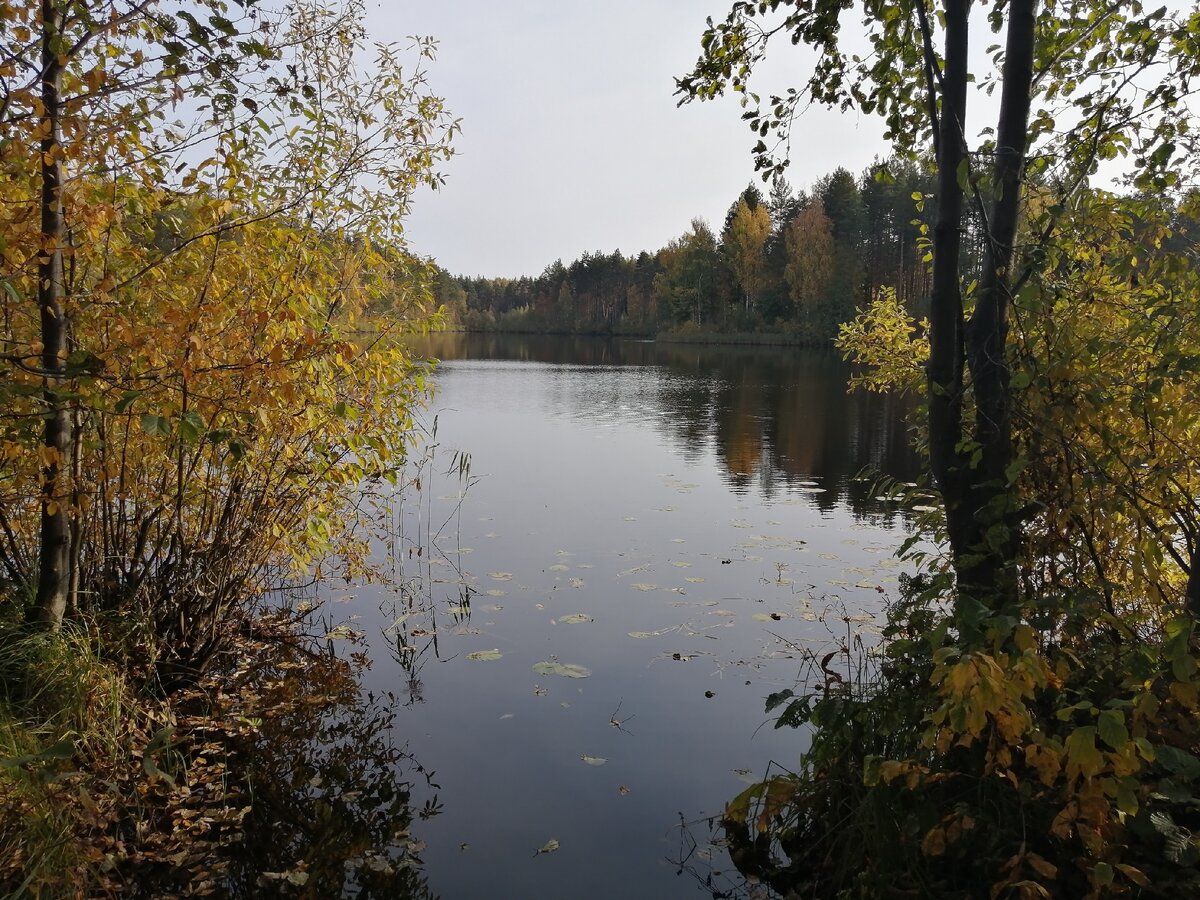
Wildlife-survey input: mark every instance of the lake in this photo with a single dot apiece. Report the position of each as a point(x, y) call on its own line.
point(584, 623)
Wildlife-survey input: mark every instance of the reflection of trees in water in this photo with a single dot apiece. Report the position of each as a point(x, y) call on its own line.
point(775, 416)
point(781, 417)
point(329, 798)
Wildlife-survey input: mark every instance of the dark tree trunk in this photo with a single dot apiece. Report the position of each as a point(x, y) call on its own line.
point(54, 558)
point(989, 570)
point(945, 370)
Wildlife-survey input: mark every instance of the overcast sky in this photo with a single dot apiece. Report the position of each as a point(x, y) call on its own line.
point(571, 139)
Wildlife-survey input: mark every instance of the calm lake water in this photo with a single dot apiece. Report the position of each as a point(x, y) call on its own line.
point(674, 522)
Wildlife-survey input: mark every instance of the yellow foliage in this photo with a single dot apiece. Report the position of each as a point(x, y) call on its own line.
point(887, 341)
point(231, 392)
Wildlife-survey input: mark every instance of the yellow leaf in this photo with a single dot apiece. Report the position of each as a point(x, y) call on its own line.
point(1043, 867)
point(934, 842)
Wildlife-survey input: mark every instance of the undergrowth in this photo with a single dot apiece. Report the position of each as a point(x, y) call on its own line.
point(272, 776)
point(1060, 768)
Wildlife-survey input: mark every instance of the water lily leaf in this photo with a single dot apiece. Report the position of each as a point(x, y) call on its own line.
point(566, 670)
point(694, 579)
point(549, 847)
point(485, 655)
point(645, 586)
point(500, 576)
point(574, 619)
point(577, 582)
point(594, 760)
point(496, 592)
point(680, 564)
point(458, 610)
point(769, 617)
point(559, 567)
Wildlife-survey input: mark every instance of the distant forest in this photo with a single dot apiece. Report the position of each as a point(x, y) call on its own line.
point(795, 264)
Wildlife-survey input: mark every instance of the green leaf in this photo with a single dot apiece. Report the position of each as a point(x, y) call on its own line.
point(153, 425)
point(574, 619)
point(126, 400)
point(1110, 725)
point(1178, 762)
point(594, 760)
point(191, 427)
point(63, 749)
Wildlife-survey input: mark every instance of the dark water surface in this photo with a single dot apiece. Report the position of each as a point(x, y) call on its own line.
point(677, 521)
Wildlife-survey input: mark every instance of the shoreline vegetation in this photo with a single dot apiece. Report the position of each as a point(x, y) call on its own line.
point(736, 338)
point(1029, 724)
point(199, 207)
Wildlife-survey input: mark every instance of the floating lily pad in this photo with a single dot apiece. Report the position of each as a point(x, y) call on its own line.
point(485, 655)
point(577, 582)
point(574, 619)
point(459, 610)
point(500, 576)
point(645, 586)
point(496, 592)
point(566, 670)
point(679, 564)
point(769, 617)
point(594, 760)
point(559, 567)
point(694, 579)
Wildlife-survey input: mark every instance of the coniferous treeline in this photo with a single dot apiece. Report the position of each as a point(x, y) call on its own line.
point(790, 263)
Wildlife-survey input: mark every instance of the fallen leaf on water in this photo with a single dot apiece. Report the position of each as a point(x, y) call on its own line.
point(577, 582)
point(645, 586)
point(485, 655)
point(694, 580)
point(594, 760)
point(566, 670)
point(622, 789)
point(549, 847)
point(574, 619)
point(769, 617)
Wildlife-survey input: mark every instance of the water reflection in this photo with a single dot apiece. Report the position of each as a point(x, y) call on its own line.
point(777, 417)
point(328, 790)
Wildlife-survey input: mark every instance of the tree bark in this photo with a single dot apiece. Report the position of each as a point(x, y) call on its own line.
point(989, 570)
point(945, 369)
point(54, 554)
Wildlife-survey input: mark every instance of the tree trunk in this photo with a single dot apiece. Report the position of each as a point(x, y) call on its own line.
point(945, 370)
point(54, 556)
point(989, 571)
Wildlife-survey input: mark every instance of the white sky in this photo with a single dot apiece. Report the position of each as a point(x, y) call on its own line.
point(571, 138)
